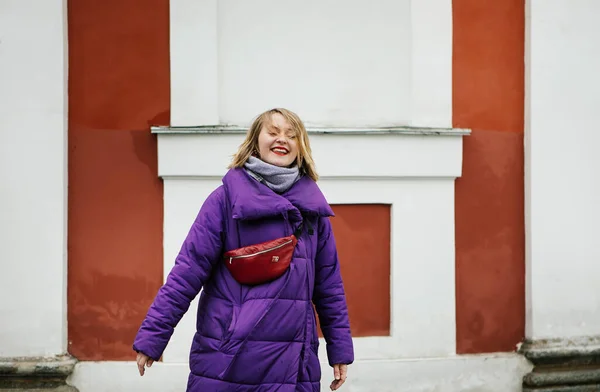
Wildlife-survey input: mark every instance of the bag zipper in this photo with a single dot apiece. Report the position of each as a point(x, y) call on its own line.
point(260, 252)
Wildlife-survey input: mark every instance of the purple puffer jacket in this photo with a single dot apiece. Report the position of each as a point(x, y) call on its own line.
point(261, 338)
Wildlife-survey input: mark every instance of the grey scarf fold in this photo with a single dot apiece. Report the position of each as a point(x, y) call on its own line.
point(278, 178)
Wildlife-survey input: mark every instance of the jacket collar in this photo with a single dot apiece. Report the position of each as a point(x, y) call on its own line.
point(250, 199)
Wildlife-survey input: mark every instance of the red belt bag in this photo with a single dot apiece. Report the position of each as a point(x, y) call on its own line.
point(261, 263)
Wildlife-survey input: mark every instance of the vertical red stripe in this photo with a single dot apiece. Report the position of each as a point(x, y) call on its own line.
point(488, 97)
point(118, 86)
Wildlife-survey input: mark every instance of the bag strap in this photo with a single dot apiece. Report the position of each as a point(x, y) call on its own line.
point(298, 231)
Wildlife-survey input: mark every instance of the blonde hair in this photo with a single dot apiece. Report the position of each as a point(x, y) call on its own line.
point(250, 145)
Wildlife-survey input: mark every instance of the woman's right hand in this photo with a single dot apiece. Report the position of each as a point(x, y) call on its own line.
point(142, 361)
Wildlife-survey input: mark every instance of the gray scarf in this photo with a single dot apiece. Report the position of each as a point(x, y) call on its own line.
point(278, 178)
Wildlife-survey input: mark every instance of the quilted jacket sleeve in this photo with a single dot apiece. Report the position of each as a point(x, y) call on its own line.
point(330, 299)
point(193, 265)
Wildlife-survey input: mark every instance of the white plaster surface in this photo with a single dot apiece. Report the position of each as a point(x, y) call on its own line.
point(431, 63)
point(563, 168)
point(480, 373)
point(194, 62)
point(336, 62)
point(33, 176)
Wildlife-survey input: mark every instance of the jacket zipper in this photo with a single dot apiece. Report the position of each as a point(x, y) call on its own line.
point(260, 252)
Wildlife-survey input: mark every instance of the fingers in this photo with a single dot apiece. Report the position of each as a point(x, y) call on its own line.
point(340, 373)
point(140, 364)
point(343, 372)
point(333, 385)
point(143, 361)
point(336, 384)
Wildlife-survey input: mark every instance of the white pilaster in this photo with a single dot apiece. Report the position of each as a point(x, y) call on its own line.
point(348, 63)
point(33, 177)
point(562, 168)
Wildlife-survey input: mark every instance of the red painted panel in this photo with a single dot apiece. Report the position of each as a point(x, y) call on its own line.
point(362, 234)
point(490, 242)
point(489, 64)
point(488, 97)
point(118, 86)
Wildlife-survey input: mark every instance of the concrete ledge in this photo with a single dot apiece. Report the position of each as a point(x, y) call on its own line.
point(583, 350)
point(565, 376)
point(563, 365)
point(574, 388)
point(36, 374)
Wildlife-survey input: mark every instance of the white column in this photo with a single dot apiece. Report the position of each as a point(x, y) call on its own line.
point(33, 177)
point(563, 169)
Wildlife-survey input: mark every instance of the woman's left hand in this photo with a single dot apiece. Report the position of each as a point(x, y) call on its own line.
point(340, 372)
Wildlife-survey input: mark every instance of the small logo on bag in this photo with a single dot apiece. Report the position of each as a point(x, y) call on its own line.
point(275, 259)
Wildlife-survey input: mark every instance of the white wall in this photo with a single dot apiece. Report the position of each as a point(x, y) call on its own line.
point(32, 177)
point(563, 168)
point(339, 62)
point(348, 63)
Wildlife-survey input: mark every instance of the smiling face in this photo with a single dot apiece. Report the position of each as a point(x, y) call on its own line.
point(280, 138)
point(277, 143)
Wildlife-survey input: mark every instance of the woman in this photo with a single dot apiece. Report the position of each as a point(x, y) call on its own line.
point(258, 336)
